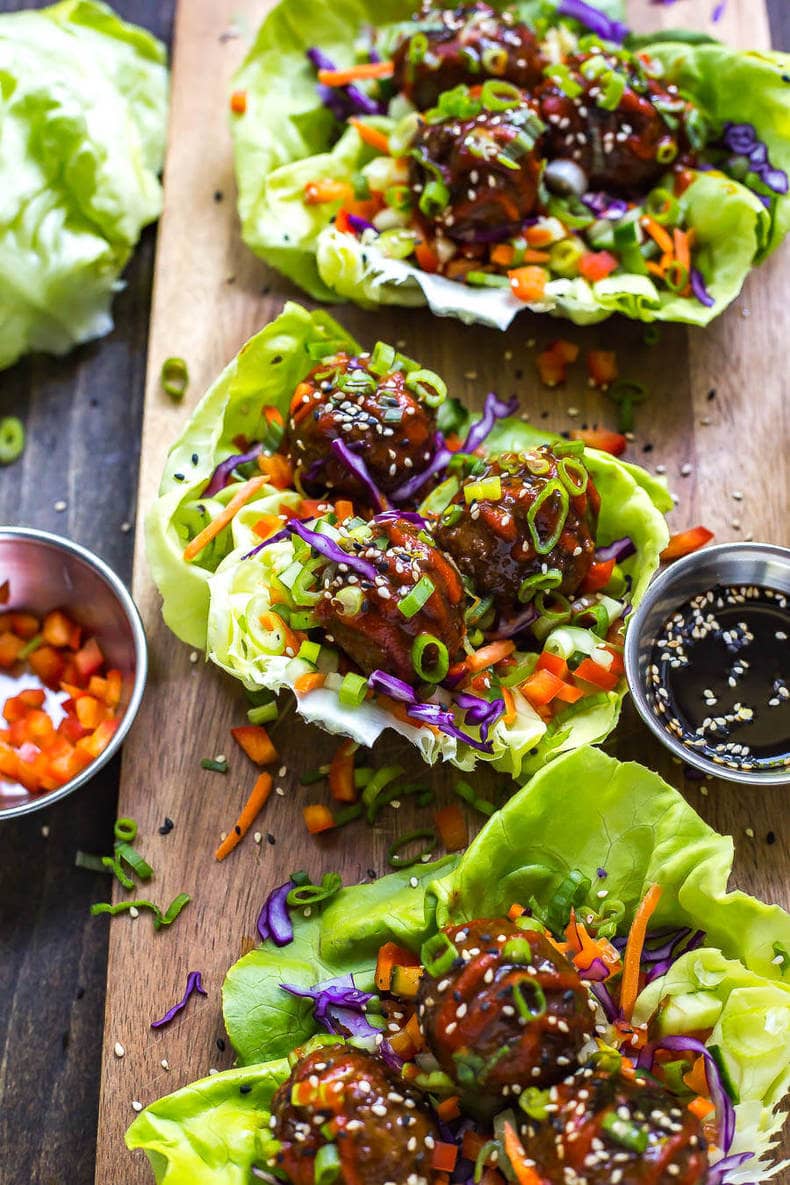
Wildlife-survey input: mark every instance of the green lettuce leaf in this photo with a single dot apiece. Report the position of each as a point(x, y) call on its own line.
point(215, 602)
point(284, 139)
point(585, 811)
point(84, 102)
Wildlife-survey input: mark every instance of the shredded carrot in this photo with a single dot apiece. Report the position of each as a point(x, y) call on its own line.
point(697, 1079)
point(273, 621)
point(371, 136)
point(277, 470)
point(510, 705)
point(267, 525)
point(238, 102)
point(489, 656)
point(391, 955)
point(256, 743)
point(249, 813)
point(701, 1107)
point(309, 682)
point(539, 236)
point(273, 415)
point(683, 254)
point(327, 189)
point(343, 510)
point(629, 987)
point(525, 1173)
point(301, 397)
point(516, 911)
point(355, 73)
point(658, 234)
point(449, 1108)
point(209, 532)
point(444, 1156)
point(341, 772)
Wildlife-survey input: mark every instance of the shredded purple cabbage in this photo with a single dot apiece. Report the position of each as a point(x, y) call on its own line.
point(277, 537)
point(354, 463)
point(618, 551)
point(664, 947)
point(339, 1006)
point(593, 19)
point(597, 972)
point(494, 409)
point(221, 475)
point(514, 625)
point(742, 139)
point(331, 551)
point(194, 984)
point(718, 1172)
point(482, 712)
point(440, 460)
point(389, 1056)
point(274, 920)
point(359, 224)
point(443, 719)
point(602, 995)
point(719, 1097)
point(342, 101)
point(718, 11)
point(604, 206)
point(699, 289)
point(392, 686)
point(409, 516)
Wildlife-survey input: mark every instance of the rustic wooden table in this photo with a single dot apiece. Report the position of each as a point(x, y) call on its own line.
point(83, 416)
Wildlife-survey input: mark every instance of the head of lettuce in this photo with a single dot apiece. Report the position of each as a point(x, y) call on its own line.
point(388, 157)
point(249, 566)
point(607, 858)
point(83, 102)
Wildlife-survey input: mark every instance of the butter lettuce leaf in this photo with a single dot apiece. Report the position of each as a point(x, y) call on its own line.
point(286, 138)
point(214, 603)
point(84, 106)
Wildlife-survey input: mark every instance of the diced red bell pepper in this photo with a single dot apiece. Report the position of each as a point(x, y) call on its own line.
point(71, 729)
point(569, 694)
point(9, 761)
point(57, 629)
point(541, 687)
point(89, 660)
point(32, 697)
point(39, 725)
point(451, 825)
point(554, 663)
point(592, 672)
point(601, 438)
point(48, 665)
point(602, 367)
point(90, 712)
point(598, 576)
point(597, 265)
point(684, 542)
point(427, 259)
point(114, 688)
point(341, 772)
point(10, 647)
point(25, 625)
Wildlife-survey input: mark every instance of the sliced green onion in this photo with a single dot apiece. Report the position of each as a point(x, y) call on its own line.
point(626, 393)
point(438, 954)
point(434, 198)
point(90, 863)
point(174, 377)
point(452, 515)
point(416, 597)
point(301, 619)
point(564, 256)
point(114, 866)
point(418, 48)
point(439, 664)
point(352, 690)
point(427, 386)
point(124, 906)
point(215, 767)
point(311, 776)
point(172, 911)
point(625, 1132)
point(472, 798)
point(486, 280)
point(550, 618)
point(377, 784)
point(651, 335)
point(539, 466)
point(478, 610)
point(516, 675)
point(490, 1148)
point(309, 652)
point(397, 243)
point(306, 893)
point(495, 59)
point(349, 600)
point(440, 498)
point(564, 448)
point(666, 152)
point(570, 893)
point(264, 714)
point(12, 439)
point(518, 950)
point(382, 359)
point(561, 76)
point(347, 814)
point(138, 864)
point(534, 1102)
point(662, 206)
point(125, 829)
point(394, 857)
point(488, 489)
point(326, 1166)
point(526, 1010)
point(611, 92)
point(397, 197)
point(301, 592)
point(551, 488)
point(569, 469)
point(539, 582)
point(598, 616)
point(30, 647)
point(676, 275)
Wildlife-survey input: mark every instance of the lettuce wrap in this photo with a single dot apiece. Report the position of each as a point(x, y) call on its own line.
point(287, 138)
point(84, 100)
point(616, 818)
point(215, 602)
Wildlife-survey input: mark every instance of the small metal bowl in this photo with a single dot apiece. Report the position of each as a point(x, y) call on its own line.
point(46, 572)
point(761, 564)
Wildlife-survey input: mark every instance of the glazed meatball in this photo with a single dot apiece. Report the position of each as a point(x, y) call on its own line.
point(378, 417)
point(598, 1125)
point(528, 524)
point(381, 1129)
point(466, 44)
point(365, 617)
point(489, 169)
point(510, 1012)
point(624, 150)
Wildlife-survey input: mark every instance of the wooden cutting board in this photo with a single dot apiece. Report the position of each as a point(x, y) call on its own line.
point(715, 422)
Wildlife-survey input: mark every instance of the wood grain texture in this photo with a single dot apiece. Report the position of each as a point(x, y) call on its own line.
point(210, 295)
point(83, 417)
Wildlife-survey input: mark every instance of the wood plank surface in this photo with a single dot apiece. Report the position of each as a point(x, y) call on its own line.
point(210, 295)
point(78, 477)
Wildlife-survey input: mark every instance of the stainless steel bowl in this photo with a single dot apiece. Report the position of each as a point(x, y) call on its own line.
point(762, 564)
point(47, 572)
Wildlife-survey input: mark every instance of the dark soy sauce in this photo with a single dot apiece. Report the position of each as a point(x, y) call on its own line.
point(719, 679)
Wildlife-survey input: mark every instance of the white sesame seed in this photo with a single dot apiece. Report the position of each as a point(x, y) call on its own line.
point(118, 1049)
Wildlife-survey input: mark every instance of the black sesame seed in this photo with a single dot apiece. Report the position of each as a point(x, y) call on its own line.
point(712, 393)
point(167, 826)
point(245, 1088)
point(221, 1044)
point(770, 837)
point(270, 838)
point(217, 195)
point(178, 476)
